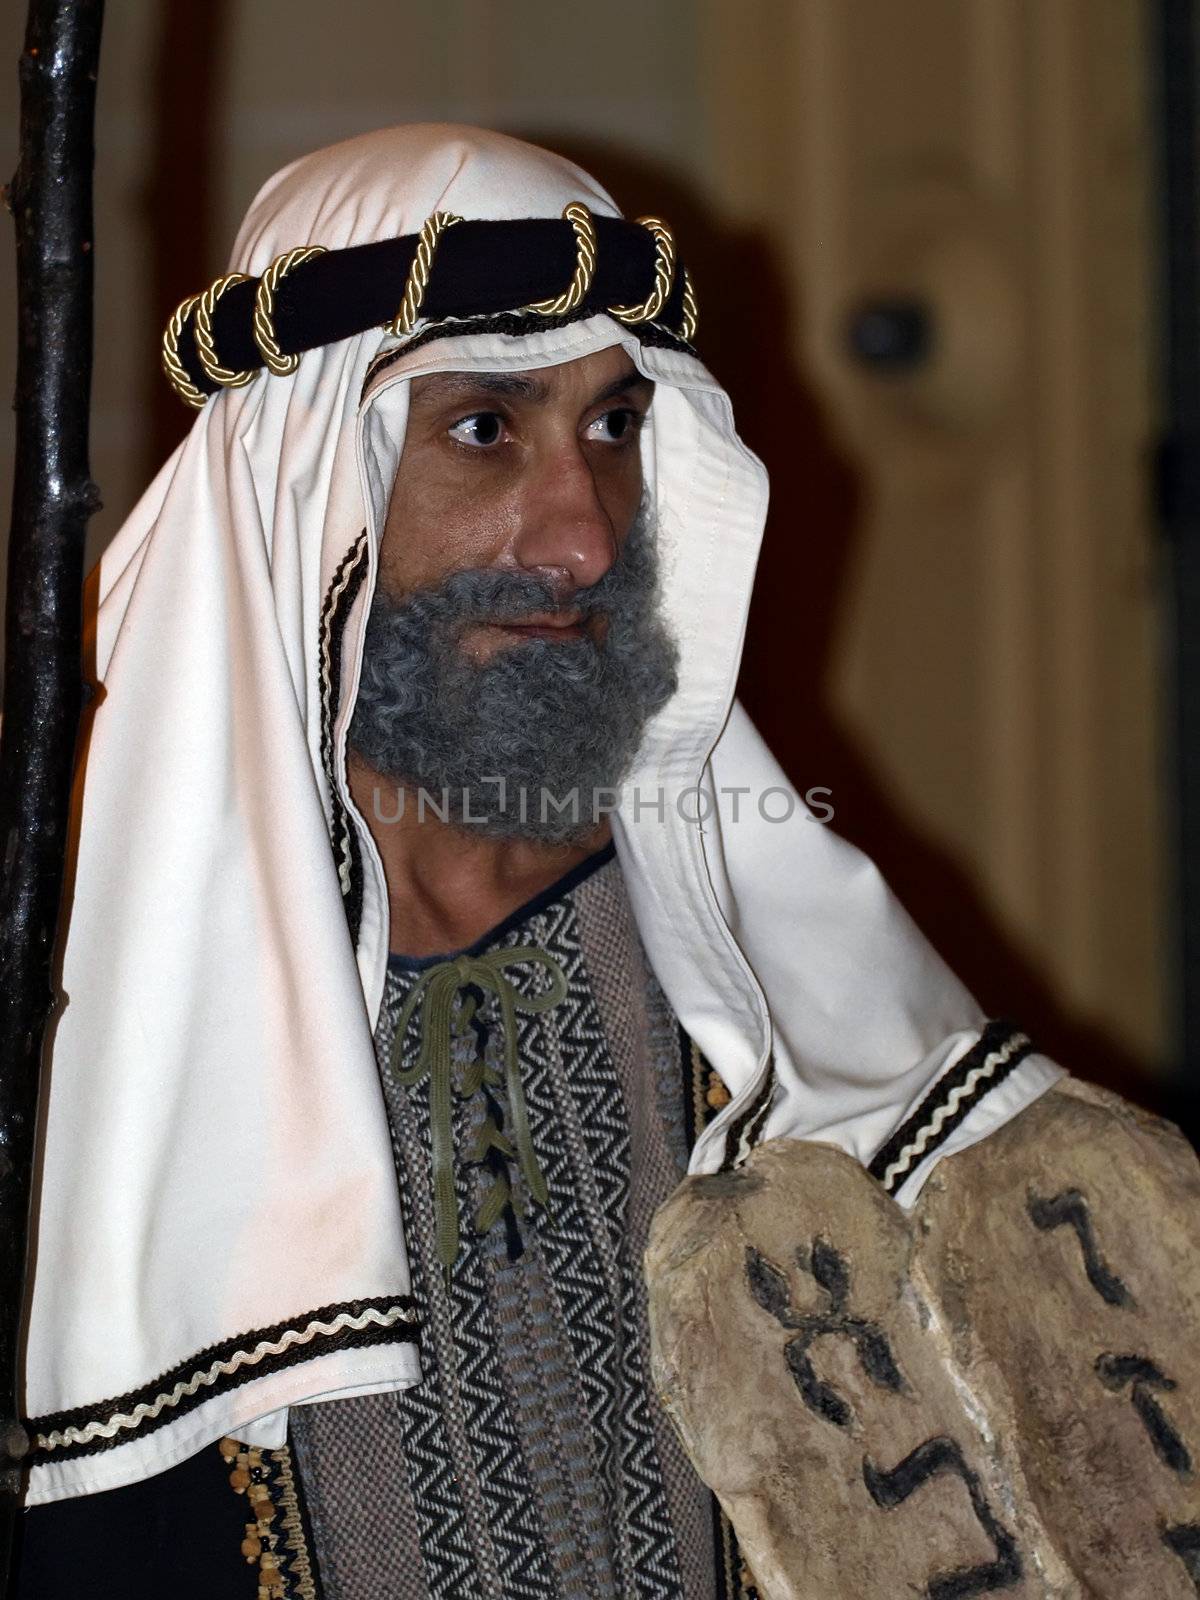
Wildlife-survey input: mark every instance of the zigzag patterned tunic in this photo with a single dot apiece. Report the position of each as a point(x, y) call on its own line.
point(532, 1463)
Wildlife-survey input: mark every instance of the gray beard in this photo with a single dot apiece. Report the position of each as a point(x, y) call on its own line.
point(534, 742)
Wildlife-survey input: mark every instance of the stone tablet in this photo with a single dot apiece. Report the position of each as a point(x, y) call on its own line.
point(997, 1393)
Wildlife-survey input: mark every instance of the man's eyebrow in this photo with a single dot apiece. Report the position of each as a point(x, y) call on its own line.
point(623, 385)
point(438, 386)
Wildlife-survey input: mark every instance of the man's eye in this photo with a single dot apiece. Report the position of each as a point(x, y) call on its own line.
point(616, 427)
point(481, 428)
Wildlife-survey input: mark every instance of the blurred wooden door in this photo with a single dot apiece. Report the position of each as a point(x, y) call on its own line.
point(991, 665)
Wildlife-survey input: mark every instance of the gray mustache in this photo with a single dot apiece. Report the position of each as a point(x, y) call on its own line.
point(485, 594)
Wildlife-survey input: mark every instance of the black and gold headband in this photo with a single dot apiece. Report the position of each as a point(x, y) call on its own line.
point(538, 268)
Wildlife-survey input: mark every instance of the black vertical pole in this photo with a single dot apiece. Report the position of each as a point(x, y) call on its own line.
point(1178, 102)
point(53, 496)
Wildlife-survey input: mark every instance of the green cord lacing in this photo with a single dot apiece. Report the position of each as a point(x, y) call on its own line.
point(435, 992)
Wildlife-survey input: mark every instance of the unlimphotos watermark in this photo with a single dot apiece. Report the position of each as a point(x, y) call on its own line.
point(697, 805)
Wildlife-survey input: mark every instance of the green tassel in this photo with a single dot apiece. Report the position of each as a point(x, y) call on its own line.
point(432, 998)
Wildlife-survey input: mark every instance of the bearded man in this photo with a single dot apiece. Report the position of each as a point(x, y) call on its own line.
point(436, 909)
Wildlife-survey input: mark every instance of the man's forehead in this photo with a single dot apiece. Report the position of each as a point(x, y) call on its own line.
point(601, 375)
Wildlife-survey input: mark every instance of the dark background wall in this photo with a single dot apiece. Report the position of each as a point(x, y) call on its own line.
point(958, 625)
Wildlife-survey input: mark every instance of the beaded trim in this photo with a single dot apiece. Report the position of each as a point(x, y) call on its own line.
point(294, 1532)
point(335, 294)
point(265, 1477)
point(219, 1368)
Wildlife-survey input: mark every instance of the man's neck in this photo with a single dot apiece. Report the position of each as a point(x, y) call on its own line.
point(449, 884)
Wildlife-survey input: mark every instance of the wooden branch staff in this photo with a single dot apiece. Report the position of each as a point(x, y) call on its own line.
point(53, 497)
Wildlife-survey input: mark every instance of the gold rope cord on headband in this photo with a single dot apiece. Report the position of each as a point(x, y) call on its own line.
point(418, 274)
point(664, 275)
point(434, 995)
point(580, 218)
point(691, 311)
point(201, 307)
point(202, 332)
point(264, 307)
point(174, 368)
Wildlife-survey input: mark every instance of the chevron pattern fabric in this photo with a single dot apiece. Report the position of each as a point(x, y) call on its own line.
point(532, 1462)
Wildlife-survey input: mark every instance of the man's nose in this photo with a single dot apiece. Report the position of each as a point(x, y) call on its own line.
point(567, 534)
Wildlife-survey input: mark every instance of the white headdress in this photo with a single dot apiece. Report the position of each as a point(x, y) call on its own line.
point(219, 1232)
